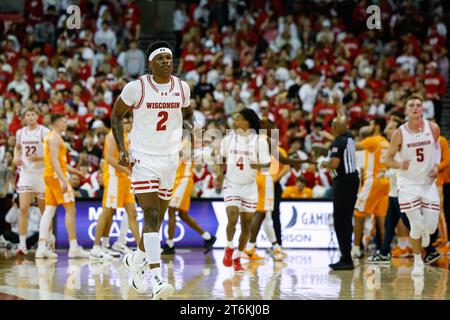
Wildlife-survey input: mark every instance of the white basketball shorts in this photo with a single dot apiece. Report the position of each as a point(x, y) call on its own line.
point(152, 173)
point(243, 196)
point(417, 196)
point(32, 182)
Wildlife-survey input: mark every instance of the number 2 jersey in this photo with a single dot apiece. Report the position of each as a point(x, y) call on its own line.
point(157, 114)
point(32, 144)
point(241, 151)
point(419, 148)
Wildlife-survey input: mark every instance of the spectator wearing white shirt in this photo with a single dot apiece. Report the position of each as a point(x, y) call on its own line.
point(377, 108)
point(20, 86)
point(134, 61)
point(408, 60)
point(12, 217)
point(106, 36)
point(308, 92)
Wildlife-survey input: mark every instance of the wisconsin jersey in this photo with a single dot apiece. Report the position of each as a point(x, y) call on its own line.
point(31, 143)
point(241, 151)
point(419, 149)
point(158, 120)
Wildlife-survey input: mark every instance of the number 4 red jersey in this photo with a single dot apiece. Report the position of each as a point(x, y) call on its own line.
point(157, 116)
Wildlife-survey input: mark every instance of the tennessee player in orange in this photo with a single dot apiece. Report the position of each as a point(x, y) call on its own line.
point(373, 195)
point(58, 190)
point(181, 201)
point(117, 193)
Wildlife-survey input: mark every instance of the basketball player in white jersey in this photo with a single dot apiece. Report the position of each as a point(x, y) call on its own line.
point(244, 152)
point(416, 141)
point(161, 106)
point(29, 156)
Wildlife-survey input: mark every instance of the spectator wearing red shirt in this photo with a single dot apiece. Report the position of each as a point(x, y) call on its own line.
point(435, 87)
point(62, 83)
point(132, 19)
point(56, 102)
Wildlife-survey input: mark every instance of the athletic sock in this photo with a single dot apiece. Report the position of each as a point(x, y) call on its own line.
point(170, 243)
point(230, 244)
point(418, 259)
point(139, 256)
point(23, 242)
point(276, 246)
point(206, 235)
point(152, 245)
point(95, 247)
point(357, 249)
point(123, 229)
point(403, 242)
point(73, 244)
point(46, 221)
point(251, 245)
point(105, 242)
point(236, 254)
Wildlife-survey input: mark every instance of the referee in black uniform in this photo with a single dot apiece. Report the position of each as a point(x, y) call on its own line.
point(342, 165)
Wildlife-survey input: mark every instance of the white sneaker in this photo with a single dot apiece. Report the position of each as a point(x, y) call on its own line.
point(120, 247)
point(42, 252)
point(97, 253)
point(78, 252)
point(425, 239)
point(418, 269)
point(161, 289)
point(112, 253)
point(139, 282)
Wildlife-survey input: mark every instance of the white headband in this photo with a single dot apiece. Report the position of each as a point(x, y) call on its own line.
point(158, 51)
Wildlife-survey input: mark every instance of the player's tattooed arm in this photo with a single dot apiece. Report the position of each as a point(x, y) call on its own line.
point(119, 111)
point(188, 118)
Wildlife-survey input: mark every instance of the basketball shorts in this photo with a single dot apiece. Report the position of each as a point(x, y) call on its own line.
point(265, 193)
point(117, 192)
point(243, 196)
point(373, 198)
point(32, 182)
point(182, 190)
point(151, 173)
point(54, 195)
point(418, 196)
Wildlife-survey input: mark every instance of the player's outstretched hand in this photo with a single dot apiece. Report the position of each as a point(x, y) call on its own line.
point(124, 159)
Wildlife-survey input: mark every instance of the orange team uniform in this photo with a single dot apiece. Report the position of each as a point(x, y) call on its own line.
point(117, 184)
point(293, 192)
point(373, 195)
point(265, 184)
point(54, 195)
point(444, 165)
point(183, 187)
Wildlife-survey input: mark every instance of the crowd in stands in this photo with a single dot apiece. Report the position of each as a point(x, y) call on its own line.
point(284, 58)
point(280, 58)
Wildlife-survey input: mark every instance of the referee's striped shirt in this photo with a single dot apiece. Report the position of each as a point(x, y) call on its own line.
point(343, 147)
